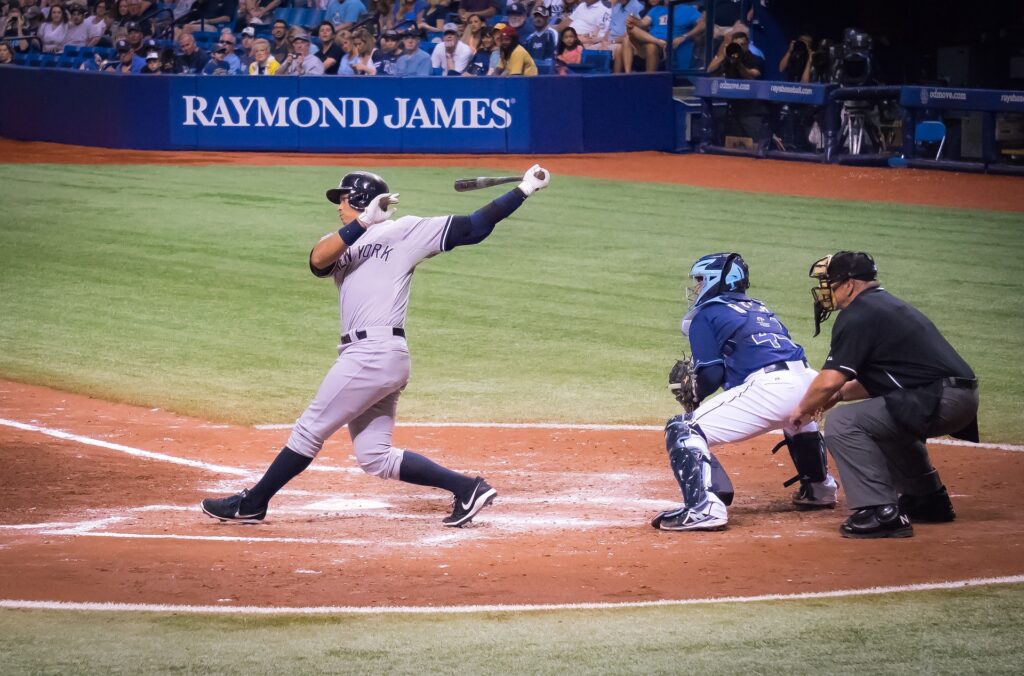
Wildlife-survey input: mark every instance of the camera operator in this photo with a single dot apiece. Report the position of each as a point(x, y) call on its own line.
point(735, 60)
point(796, 62)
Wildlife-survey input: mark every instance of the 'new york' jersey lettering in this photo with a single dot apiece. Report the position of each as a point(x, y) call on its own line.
point(741, 333)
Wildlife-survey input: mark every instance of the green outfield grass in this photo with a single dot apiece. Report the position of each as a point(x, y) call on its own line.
point(952, 632)
point(187, 288)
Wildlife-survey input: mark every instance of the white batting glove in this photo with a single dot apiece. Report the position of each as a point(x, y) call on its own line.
point(534, 179)
point(380, 209)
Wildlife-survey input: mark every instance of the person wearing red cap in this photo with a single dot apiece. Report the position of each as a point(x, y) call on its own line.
point(515, 60)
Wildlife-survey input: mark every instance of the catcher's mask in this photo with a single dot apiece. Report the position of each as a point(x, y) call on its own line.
point(714, 274)
point(360, 186)
point(831, 271)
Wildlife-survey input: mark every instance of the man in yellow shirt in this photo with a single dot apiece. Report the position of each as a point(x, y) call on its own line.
point(515, 60)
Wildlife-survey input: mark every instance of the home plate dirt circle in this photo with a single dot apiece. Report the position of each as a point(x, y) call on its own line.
point(83, 518)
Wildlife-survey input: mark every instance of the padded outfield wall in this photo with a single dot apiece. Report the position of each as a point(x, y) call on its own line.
point(546, 114)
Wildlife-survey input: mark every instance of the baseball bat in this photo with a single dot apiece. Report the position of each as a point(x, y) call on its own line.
point(464, 184)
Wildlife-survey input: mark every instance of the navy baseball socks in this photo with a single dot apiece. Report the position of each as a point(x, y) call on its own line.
point(250, 506)
point(471, 495)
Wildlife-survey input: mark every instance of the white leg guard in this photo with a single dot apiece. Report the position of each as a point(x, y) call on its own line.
point(691, 465)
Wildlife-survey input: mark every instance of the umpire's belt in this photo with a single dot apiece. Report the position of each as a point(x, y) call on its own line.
point(961, 383)
point(784, 366)
point(372, 331)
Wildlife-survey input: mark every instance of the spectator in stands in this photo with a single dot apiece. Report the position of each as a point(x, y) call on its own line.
point(515, 16)
point(299, 61)
point(168, 61)
point(543, 41)
point(515, 60)
point(191, 59)
point(217, 65)
point(734, 59)
point(256, 12)
point(82, 33)
point(330, 53)
point(343, 13)
point(687, 35)
point(471, 31)
point(135, 36)
point(591, 19)
point(135, 13)
point(152, 66)
point(485, 60)
point(101, 19)
point(363, 53)
point(385, 11)
point(431, 21)
point(451, 56)
point(33, 19)
point(181, 8)
point(414, 61)
point(205, 14)
point(281, 47)
point(795, 64)
point(556, 8)
point(263, 62)
point(6, 55)
point(484, 8)
point(127, 61)
point(621, 9)
point(54, 31)
point(570, 50)
point(244, 50)
point(645, 37)
point(228, 41)
point(406, 12)
point(386, 57)
point(16, 28)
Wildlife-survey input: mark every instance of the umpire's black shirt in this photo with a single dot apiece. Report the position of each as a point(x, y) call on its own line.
point(887, 344)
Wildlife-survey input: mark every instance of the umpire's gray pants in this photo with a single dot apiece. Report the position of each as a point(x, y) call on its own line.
point(878, 459)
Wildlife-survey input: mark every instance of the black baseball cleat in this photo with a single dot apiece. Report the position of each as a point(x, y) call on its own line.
point(932, 508)
point(883, 521)
point(228, 509)
point(463, 511)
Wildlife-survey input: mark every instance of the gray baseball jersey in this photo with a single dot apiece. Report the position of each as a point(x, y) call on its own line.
point(361, 389)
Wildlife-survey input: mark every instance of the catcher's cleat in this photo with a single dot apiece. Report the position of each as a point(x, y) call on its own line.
point(463, 511)
point(883, 521)
point(712, 515)
point(817, 494)
point(933, 508)
point(227, 509)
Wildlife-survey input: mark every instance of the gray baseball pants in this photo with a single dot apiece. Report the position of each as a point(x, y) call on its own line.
point(878, 459)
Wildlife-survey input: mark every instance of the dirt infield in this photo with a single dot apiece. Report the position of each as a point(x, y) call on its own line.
point(905, 186)
point(85, 523)
point(108, 511)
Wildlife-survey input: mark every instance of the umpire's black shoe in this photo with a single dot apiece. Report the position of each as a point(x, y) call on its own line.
point(933, 508)
point(884, 521)
point(465, 508)
point(229, 509)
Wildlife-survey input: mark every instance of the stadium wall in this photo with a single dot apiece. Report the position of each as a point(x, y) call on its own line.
point(578, 114)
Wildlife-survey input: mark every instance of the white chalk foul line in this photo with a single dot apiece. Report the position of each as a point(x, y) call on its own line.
point(500, 608)
point(137, 452)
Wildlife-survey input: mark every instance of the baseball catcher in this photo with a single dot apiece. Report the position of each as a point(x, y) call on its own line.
point(740, 346)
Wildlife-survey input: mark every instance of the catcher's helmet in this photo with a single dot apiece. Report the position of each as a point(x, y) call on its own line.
point(360, 186)
point(715, 274)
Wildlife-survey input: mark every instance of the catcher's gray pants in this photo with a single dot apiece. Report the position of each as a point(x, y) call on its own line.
point(878, 459)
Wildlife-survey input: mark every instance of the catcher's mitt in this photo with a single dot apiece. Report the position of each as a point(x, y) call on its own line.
point(682, 382)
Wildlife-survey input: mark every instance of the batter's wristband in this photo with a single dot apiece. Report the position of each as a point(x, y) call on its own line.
point(351, 232)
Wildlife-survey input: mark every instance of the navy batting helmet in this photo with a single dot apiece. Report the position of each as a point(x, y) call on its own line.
point(360, 187)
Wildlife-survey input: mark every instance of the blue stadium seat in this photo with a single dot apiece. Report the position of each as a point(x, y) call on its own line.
point(301, 16)
point(600, 61)
point(20, 58)
point(48, 61)
point(72, 50)
point(76, 63)
point(33, 59)
point(65, 61)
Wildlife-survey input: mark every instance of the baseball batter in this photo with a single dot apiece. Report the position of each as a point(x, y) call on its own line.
point(738, 344)
point(372, 258)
